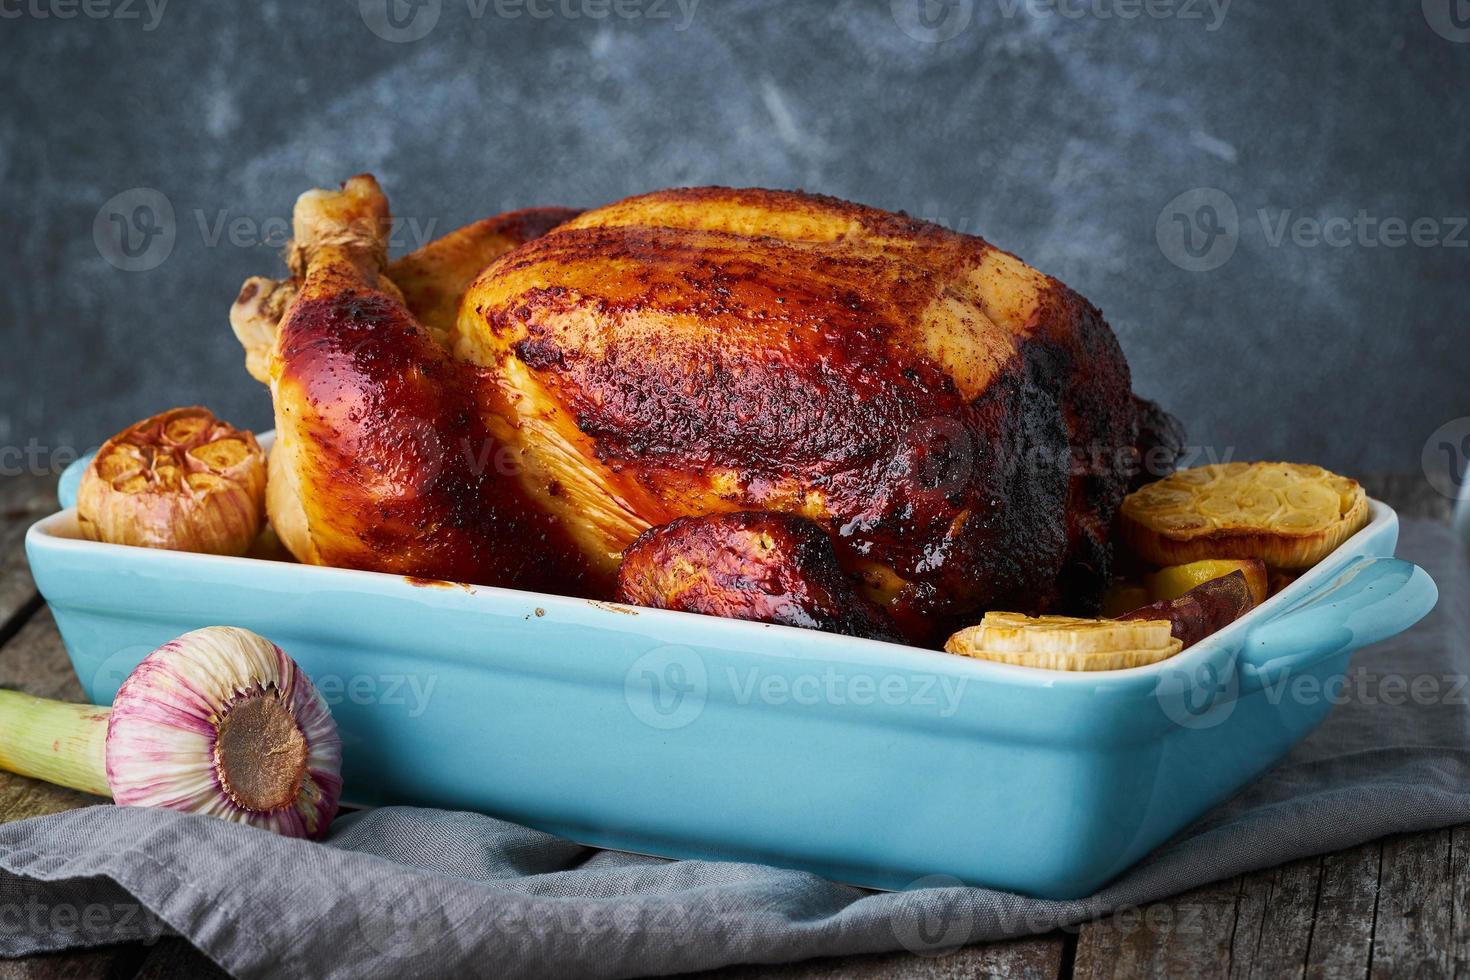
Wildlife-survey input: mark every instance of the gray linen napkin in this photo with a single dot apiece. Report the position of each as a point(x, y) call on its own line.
point(410, 892)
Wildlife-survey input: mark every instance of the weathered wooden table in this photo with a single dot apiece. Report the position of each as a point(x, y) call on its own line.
point(1397, 907)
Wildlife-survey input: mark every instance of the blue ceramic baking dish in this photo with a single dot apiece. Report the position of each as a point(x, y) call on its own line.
point(690, 736)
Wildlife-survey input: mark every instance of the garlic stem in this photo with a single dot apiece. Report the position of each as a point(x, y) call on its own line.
point(56, 741)
point(219, 721)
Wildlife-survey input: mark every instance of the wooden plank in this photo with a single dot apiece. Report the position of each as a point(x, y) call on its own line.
point(1460, 900)
point(34, 661)
point(1413, 926)
point(1187, 936)
point(1019, 959)
point(23, 501)
point(92, 964)
point(175, 958)
point(1273, 923)
point(1342, 930)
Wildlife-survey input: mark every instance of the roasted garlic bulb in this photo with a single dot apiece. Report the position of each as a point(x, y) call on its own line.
point(182, 481)
point(1289, 515)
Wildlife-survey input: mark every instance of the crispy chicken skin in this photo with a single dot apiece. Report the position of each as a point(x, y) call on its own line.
point(382, 460)
point(762, 566)
point(961, 426)
point(433, 279)
point(952, 417)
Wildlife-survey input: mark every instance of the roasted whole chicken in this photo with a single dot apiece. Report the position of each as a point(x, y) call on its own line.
point(517, 402)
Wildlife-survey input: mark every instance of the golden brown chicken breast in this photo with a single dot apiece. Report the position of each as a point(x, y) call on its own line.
point(936, 405)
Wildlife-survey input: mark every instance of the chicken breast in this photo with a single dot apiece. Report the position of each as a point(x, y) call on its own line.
point(960, 424)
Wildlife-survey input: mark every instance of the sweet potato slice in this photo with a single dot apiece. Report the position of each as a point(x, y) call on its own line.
point(1174, 581)
point(1205, 609)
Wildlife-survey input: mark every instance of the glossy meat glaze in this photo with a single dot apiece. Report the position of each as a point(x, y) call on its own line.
point(757, 565)
point(961, 425)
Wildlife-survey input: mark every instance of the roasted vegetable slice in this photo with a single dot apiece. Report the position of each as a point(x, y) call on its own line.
point(1065, 643)
point(1286, 514)
point(1174, 581)
point(1204, 609)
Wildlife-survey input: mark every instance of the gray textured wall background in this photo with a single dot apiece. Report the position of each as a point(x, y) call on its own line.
point(1060, 134)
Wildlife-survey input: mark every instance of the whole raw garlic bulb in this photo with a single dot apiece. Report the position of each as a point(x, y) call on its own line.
point(183, 481)
point(219, 721)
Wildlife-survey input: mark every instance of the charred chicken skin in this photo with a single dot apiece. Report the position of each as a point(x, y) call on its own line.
point(762, 566)
point(960, 426)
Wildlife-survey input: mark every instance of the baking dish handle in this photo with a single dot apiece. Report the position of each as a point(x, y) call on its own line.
point(71, 480)
point(1370, 600)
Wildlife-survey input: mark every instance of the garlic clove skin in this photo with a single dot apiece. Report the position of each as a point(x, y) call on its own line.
point(221, 721)
point(181, 481)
